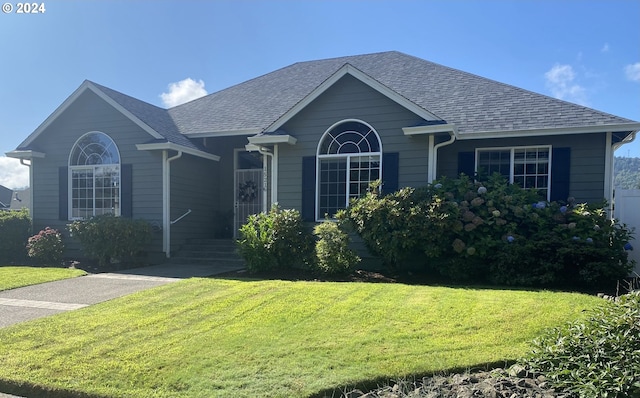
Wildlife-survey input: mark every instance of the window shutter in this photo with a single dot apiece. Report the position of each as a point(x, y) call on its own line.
point(63, 193)
point(308, 208)
point(126, 190)
point(560, 173)
point(390, 172)
point(467, 163)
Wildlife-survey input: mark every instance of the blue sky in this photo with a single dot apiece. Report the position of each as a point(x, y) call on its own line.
point(586, 52)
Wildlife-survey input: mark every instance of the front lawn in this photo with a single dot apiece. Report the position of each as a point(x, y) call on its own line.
point(230, 338)
point(12, 277)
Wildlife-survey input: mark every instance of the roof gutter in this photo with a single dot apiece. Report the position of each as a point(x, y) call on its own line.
point(431, 131)
point(169, 146)
point(601, 128)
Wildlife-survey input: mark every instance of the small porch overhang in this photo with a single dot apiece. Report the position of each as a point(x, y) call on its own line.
point(169, 146)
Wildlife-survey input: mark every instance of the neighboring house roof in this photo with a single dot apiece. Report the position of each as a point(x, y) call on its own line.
point(478, 107)
point(6, 195)
point(21, 199)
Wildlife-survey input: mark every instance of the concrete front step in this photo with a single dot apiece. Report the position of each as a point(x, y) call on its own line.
point(208, 251)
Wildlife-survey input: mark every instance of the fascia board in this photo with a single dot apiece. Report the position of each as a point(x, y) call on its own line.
point(225, 133)
point(25, 154)
point(364, 78)
point(173, 147)
point(601, 128)
point(273, 139)
point(87, 85)
point(434, 129)
point(124, 111)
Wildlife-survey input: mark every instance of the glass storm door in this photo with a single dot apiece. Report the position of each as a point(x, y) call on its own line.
point(248, 187)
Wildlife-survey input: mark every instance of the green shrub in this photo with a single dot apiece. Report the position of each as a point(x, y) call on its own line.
point(333, 255)
point(492, 231)
point(15, 229)
point(107, 237)
point(402, 225)
point(46, 247)
point(277, 239)
point(595, 357)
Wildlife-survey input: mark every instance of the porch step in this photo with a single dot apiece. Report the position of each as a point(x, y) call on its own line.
point(209, 251)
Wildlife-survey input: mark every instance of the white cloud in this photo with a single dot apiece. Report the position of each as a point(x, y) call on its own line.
point(13, 175)
point(633, 72)
point(605, 48)
point(183, 91)
point(560, 81)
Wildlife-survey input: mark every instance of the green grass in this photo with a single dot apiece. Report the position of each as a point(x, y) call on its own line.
point(227, 338)
point(12, 277)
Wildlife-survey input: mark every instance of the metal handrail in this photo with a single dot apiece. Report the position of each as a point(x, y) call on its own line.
point(181, 217)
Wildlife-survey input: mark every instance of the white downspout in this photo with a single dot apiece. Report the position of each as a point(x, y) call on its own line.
point(30, 185)
point(265, 176)
point(432, 175)
point(611, 152)
point(274, 176)
point(166, 200)
point(608, 173)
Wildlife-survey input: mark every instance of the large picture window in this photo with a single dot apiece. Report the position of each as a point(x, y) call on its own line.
point(94, 167)
point(349, 159)
point(527, 167)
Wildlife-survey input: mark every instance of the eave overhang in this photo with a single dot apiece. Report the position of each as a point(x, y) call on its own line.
point(431, 129)
point(267, 139)
point(25, 154)
point(159, 146)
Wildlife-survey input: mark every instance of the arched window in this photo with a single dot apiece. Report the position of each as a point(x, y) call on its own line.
point(349, 158)
point(94, 171)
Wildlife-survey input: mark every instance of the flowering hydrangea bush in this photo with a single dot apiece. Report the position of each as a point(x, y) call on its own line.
point(46, 247)
point(494, 232)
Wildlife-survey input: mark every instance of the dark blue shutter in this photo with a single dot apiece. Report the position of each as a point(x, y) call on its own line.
point(560, 173)
point(390, 172)
point(63, 193)
point(126, 190)
point(308, 206)
point(467, 163)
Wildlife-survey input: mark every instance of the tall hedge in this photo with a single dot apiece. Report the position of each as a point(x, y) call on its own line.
point(15, 229)
point(494, 232)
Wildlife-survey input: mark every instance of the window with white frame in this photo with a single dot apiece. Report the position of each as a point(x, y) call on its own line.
point(527, 167)
point(349, 158)
point(94, 173)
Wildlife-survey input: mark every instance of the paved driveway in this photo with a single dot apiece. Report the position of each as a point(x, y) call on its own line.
point(37, 301)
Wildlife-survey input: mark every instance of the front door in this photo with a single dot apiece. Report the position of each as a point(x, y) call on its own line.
point(248, 187)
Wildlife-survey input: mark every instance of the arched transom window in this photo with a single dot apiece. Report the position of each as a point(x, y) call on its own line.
point(94, 171)
point(349, 159)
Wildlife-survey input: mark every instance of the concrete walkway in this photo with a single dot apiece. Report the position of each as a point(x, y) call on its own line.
point(38, 301)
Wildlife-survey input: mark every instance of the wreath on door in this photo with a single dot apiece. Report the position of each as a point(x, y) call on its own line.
point(247, 191)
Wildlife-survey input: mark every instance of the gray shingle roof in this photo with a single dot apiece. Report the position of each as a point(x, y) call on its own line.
point(6, 195)
point(473, 103)
point(156, 118)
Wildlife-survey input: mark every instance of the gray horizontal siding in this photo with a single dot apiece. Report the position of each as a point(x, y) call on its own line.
point(194, 184)
point(90, 113)
point(350, 99)
point(587, 159)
